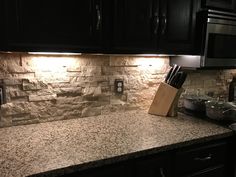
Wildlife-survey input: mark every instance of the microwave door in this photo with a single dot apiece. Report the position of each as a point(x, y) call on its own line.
point(219, 45)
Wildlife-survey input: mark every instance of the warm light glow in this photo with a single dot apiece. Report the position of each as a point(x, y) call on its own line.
point(52, 64)
point(147, 62)
point(53, 69)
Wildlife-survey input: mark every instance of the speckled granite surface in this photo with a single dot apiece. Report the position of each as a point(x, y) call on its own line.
point(32, 149)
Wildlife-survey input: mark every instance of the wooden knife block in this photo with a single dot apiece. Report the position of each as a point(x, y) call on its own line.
point(165, 102)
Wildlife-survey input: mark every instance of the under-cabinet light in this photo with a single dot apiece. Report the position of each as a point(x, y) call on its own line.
point(53, 53)
point(62, 53)
point(140, 55)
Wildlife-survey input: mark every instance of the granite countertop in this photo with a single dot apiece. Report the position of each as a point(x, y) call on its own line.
point(56, 147)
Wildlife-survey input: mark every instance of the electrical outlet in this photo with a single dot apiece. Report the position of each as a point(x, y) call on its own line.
point(119, 86)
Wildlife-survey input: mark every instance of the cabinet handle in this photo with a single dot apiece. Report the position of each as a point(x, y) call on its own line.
point(209, 157)
point(99, 17)
point(164, 25)
point(156, 22)
point(162, 172)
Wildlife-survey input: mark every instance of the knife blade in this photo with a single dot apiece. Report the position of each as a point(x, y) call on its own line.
point(174, 81)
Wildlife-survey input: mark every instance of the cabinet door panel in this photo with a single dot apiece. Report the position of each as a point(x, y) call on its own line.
point(134, 24)
point(196, 159)
point(155, 166)
point(178, 26)
point(46, 23)
point(117, 170)
point(2, 23)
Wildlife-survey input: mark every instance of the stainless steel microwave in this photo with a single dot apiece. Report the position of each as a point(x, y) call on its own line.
point(217, 42)
point(228, 5)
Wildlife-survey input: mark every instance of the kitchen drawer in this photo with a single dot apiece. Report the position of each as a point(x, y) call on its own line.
point(218, 171)
point(153, 166)
point(196, 159)
point(116, 170)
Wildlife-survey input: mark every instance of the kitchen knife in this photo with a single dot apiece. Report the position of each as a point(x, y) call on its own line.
point(168, 75)
point(175, 71)
point(181, 80)
point(172, 73)
point(178, 69)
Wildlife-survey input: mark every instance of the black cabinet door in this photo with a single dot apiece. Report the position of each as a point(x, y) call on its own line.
point(2, 24)
point(154, 166)
point(153, 26)
point(135, 25)
point(117, 170)
point(178, 20)
point(54, 24)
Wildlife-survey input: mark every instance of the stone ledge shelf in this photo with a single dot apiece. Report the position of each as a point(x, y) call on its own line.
point(62, 146)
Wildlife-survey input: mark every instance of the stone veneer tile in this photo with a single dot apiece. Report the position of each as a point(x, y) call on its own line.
point(47, 88)
point(36, 98)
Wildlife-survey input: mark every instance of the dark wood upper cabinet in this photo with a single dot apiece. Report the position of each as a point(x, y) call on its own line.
point(135, 25)
point(156, 26)
point(100, 26)
point(2, 30)
point(54, 24)
point(177, 33)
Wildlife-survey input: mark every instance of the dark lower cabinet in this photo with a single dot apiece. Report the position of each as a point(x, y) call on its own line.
point(196, 159)
point(207, 160)
point(115, 170)
point(153, 166)
point(150, 166)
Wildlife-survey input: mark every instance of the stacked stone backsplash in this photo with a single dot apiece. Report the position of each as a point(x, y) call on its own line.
point(43, 88)
point(213, 83)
